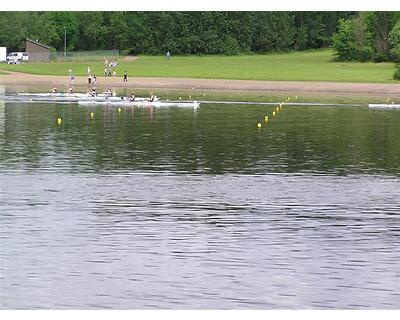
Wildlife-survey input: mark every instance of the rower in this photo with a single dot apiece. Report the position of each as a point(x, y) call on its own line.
point(132, 98)
point(108, 93)
point(54, 90)
point(93, 93)
point(70, 91)
point(151, 99)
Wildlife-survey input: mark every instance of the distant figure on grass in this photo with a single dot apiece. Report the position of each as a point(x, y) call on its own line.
point(88, 70)
point(71, 77)
point(89, 80)
point(94, 79)
point(125, 76)
point(168, 54)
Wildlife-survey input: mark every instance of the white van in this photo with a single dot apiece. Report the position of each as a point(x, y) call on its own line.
point(17, 57)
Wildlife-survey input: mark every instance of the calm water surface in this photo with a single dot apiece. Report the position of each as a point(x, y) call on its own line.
point(198, 209)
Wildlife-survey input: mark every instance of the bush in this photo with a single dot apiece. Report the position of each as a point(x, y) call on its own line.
point(380, 57)
point(365, 53)
point(397, 72)
point(230, 46)
point(394, 55)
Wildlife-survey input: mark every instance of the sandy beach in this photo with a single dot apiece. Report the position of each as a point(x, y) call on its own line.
point(152, 83)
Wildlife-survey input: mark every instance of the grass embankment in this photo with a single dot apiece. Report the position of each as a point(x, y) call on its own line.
point(314, 65)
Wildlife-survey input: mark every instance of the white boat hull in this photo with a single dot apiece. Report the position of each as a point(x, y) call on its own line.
point(156, 104)
point(73, 97)
point(384, 106)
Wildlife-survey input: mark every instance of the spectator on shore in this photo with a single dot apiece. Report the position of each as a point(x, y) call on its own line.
point(168, 54)
point(89, 79)
point(94, 79)
point(125, 76)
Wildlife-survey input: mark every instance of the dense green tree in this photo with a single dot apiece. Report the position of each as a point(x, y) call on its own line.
point(394, 40)
point(343, 42)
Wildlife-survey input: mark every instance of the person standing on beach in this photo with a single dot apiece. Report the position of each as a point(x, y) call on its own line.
point(168, 54)
point(94, 79)
point(125, 76)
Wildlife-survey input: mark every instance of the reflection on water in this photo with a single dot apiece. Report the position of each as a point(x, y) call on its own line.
point(212, 139)
point(181, 209)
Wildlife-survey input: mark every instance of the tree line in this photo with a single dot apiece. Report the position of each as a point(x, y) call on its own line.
point(368, 36)
point(179, 32)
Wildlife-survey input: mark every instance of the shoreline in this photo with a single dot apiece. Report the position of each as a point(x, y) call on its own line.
point(251, 86)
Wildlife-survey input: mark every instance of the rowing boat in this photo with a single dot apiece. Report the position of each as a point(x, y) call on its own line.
point(143, 103)
point(384, 106)
point(71, 97)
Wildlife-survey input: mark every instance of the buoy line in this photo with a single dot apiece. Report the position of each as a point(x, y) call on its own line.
point(285, 103)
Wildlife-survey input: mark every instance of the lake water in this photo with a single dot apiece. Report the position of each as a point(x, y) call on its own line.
point(198, 209)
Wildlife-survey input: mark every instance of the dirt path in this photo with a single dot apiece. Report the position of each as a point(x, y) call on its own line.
point(328, 88)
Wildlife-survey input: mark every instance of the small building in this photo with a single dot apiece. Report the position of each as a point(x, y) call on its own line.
point(37, 51)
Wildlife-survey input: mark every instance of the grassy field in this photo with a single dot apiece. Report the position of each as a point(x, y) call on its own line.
point(314, 65)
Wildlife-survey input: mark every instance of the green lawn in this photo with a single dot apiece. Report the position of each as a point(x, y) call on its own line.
point(313, 65)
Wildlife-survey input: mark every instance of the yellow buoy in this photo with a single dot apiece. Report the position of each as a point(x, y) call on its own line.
point(266, 119)
point(277, 109)
point(288, 98)
point(190, 96)
point(91, 115)
point(180, 98)
point(119, 109)
point(259, 125)
point(273, 113)
point(59, 120)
